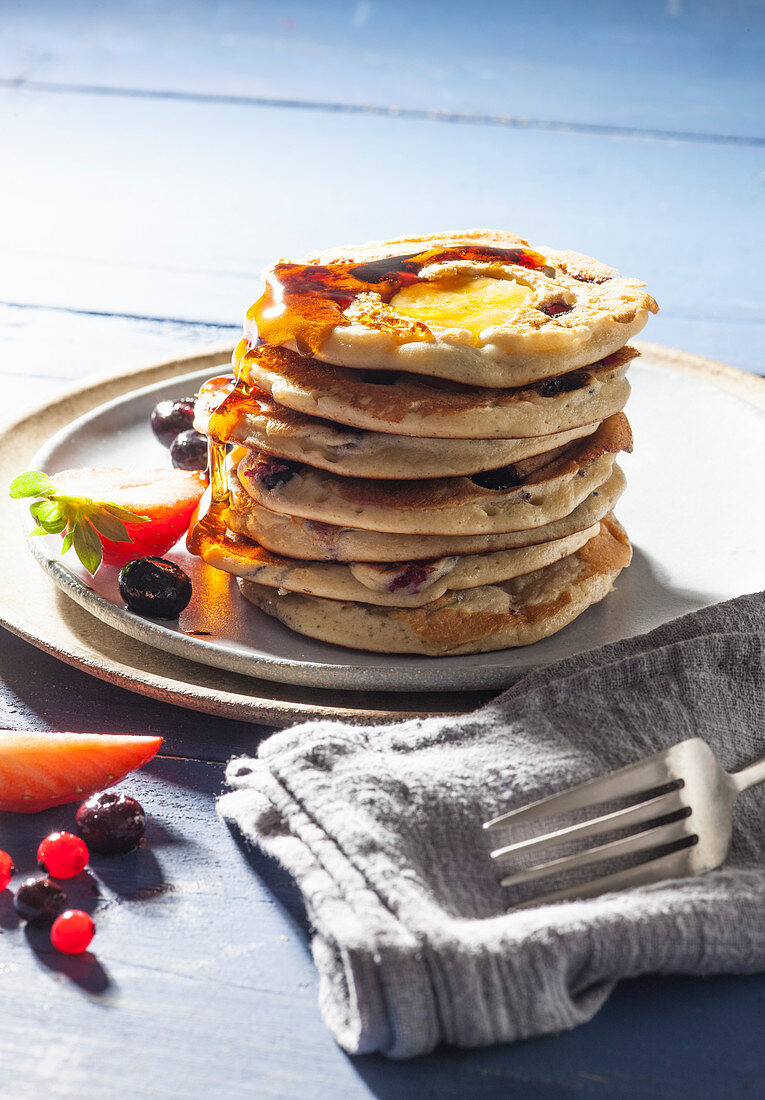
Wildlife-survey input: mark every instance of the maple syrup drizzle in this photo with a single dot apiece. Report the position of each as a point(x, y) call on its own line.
point(209, 529)
point(305, 302)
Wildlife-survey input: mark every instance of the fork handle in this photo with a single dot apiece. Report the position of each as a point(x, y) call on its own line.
point(749, 776)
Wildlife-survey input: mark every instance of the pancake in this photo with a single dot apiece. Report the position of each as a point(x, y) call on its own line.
point(407, 404)
point(530, 493)
point(259, 423)
point(480, 307)
point(405, 584)
point(306, 539)
point(476, 620)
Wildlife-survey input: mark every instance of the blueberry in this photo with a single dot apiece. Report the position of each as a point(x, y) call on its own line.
point(39, 900)
point(504, 478)
point(563, 383)
point(379, 377)
point(188, 451)
point(170, 418)
point(555, 309)
point(111, 823)
point(272, 472)
point(155, 587)
point(411, 578)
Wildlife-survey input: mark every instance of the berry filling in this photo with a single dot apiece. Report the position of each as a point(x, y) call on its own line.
point(582, 278)
point(555, 309)
point(378, 377)
point(503, 478)
point(271, 473)
point(563, 383)
point(410, 579)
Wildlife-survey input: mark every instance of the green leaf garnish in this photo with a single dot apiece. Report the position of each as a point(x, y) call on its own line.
point(83, 519)
point(87, 546)
point(32, 483)
point(110, 527)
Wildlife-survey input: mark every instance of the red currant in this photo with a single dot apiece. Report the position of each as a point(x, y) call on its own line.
point(6, 869)
point(62, 855)
point(72, 932)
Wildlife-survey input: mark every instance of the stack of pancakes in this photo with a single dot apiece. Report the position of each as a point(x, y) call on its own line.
point(421, 443)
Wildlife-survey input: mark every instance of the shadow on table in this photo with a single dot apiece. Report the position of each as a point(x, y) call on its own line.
point(657, 1036)
point(278, 882)
point(653, 600)
point(8, 917)
point(209, 782)
point(134, 876)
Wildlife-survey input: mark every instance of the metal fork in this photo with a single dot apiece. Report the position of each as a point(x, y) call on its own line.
point(700, 790)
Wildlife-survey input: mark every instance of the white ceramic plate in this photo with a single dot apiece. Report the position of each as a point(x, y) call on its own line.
point(693, 510)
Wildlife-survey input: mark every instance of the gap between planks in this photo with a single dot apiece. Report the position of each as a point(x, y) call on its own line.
point(421, 114)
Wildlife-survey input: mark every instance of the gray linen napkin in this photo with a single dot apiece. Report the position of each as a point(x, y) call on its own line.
point(381, 828)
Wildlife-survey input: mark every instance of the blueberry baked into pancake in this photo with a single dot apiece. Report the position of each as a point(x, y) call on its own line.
point(418, 450)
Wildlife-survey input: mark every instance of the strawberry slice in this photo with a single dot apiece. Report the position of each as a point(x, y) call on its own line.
point(167, 497)
point(40, 770)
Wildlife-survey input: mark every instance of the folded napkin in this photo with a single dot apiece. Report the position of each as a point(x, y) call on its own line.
point(381, 829)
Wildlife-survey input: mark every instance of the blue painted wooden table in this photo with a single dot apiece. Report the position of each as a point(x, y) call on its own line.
point(155, 156)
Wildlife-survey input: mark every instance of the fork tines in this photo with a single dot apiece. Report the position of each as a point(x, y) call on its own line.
point(655, 793)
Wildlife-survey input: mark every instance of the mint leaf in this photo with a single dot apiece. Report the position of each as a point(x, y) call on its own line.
point(32, 483)
point(87, 546)
point(110, 527)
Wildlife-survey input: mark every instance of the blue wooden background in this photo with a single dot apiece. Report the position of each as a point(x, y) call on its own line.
point(155, 155)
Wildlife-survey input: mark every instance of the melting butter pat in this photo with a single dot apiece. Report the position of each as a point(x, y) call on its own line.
point(472, 304)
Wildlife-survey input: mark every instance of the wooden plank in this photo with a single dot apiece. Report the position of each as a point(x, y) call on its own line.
point(274, 182)
point(658, 65)
point(43, 349)
point(200, 984)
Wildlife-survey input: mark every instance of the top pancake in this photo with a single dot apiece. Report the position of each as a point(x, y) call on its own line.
point(351, 306)
point(405, 404)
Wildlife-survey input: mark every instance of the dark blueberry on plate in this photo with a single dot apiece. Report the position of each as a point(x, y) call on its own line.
point(504, 478)
point(111, 823)
point(170, 418)
point(39, 900)
point(155, 587)
point(188, 451)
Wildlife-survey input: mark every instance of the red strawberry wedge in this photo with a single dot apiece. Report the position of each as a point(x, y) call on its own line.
point(40, 770)
point(167, 497)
